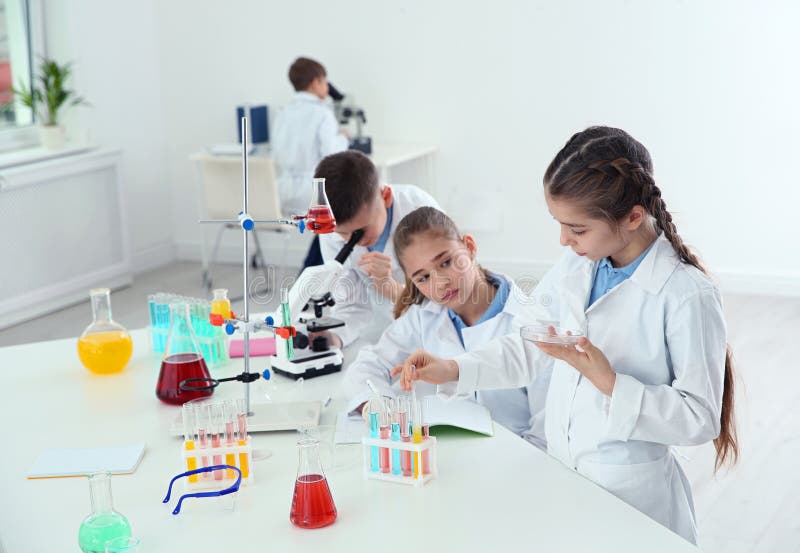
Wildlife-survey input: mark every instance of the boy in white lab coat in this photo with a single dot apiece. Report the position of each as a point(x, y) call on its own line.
point(450, 305)
point(305, 132)
point(372, 279)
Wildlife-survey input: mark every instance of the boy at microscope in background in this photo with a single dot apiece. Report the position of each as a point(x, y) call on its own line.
point(372, 280)
point(305, 132)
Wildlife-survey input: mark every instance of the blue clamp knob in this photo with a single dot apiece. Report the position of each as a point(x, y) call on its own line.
point(269, 320)
point(246, 221)
point(301, 225)
point(230, 329)
point(266, 374)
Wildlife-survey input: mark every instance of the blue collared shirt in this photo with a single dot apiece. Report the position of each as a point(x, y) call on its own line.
point(608, 276)
point(380, 245)
point(497, 305)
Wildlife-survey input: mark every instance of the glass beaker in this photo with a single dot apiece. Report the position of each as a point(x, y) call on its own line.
point(105, 346)
point(312, 502)
point(182, 359)
point(320, 218)
point(103, 524)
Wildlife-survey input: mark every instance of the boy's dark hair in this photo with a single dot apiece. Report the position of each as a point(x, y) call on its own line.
point(351, 181)
point(303, 72)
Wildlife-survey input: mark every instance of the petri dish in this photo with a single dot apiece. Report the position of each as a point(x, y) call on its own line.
point(549, 334)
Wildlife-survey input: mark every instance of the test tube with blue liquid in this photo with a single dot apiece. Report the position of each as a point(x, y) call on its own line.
point(395, 433)
point(374, 407)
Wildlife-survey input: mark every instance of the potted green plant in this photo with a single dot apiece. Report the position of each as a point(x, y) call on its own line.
point(47, 99)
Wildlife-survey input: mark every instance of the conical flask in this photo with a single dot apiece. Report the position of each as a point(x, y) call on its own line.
point(105, 347)
point(182, 359)
point(312, 503)
point(320, 216)
point(103, 523)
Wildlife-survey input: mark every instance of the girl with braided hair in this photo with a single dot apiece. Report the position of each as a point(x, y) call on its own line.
point(653, 369)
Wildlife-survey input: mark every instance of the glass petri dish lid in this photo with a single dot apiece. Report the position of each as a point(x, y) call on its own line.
point(549, 334)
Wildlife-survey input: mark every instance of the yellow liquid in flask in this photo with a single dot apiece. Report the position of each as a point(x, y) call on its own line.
point(105, 352)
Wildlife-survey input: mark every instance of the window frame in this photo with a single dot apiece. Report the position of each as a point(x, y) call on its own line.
point(27, 136)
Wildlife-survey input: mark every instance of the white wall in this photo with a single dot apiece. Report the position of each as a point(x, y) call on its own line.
point(709, 87)
point(114, 47)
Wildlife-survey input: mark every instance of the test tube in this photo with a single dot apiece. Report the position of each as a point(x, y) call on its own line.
point(151, 304)
point(397, 467)
point(384, 432)
point(162, 312)
point(241, 419)
point(201, 418)
point(230, 424)
point(426, 454)
point(215, 428)
point(189, 426)
point(416, 432)
point(287, 321)
point(402, 420)
point(374, 412)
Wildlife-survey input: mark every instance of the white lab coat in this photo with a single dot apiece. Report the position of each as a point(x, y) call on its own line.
point(364, 310)
point(428, 326)
point(305, 131)
point(664, 334)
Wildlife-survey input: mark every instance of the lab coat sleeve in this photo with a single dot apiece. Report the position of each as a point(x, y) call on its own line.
point(688, 411)
point(506, 362)
point(329, 138)
point(510, 361)
point(375, 362)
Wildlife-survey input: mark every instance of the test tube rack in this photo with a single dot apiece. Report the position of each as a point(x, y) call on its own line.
point(428, 445)
point(212, 339)
point(240, 456)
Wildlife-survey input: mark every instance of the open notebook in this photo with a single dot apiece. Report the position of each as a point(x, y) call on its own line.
point(461, 413)
point(82, 461)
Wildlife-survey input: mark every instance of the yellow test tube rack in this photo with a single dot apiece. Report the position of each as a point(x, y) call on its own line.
point(239, 454)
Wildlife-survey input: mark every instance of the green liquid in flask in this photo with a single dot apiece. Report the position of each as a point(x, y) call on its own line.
point(98, 529)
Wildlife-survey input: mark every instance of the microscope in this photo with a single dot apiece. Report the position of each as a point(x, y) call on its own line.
point(307, 299)
point(346, 109)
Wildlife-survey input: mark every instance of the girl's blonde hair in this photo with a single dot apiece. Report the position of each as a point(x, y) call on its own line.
point(423, 220)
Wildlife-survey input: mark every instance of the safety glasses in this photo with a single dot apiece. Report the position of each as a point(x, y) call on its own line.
point(214, 493)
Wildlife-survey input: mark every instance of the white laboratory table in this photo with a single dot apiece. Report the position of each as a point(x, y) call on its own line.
point(491, 492)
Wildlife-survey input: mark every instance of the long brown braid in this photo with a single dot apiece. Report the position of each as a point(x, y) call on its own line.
point(609, 172)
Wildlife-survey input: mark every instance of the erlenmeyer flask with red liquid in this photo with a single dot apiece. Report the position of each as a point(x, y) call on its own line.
point(312, 503)
point(182, 359)
point(320, 217)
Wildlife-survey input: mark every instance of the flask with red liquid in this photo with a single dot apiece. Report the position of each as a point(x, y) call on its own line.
point(182, 359)
point(320, 216)
point(312, 503)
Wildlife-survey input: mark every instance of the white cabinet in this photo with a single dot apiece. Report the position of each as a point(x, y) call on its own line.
point(62, 232)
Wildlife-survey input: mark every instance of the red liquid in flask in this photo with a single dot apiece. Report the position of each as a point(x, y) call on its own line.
point(323, 221)
point(312, 503)
point(177, 368)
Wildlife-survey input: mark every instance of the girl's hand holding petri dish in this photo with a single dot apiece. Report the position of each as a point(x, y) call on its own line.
point(587, 359)
point(421, 365)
